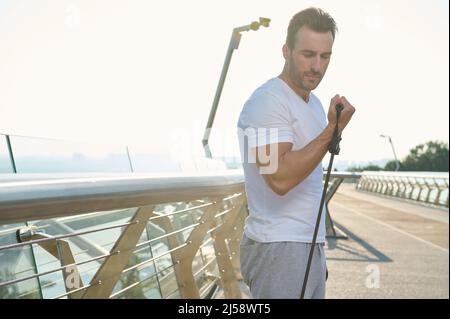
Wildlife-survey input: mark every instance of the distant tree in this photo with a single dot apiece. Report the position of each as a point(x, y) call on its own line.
point(391, 166)
point(431, 156)
point(370, 167)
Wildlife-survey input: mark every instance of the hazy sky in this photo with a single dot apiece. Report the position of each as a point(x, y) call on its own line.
point(144, 73)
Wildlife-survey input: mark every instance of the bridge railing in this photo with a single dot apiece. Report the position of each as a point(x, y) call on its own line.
point(120, 235)
point(124, 235)
point(429, 188)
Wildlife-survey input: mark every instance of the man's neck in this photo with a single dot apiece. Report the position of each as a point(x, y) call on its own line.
point(302, 93)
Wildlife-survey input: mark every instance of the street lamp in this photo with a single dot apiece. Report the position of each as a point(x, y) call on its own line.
point(397, 164)
point(234, 44)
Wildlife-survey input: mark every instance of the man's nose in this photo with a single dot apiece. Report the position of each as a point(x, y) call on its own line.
point(316, 64)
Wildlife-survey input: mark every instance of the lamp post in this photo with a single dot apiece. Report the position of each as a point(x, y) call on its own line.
point(234, 44)
point(397, 164)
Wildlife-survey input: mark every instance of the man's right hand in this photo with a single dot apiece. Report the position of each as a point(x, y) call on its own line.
point(346, 113)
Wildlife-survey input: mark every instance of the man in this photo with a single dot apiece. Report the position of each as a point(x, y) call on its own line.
point(283, 173)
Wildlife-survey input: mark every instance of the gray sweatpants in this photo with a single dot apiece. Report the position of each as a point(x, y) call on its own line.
point(276, 270)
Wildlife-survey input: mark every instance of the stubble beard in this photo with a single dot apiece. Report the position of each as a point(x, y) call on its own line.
point(297, 78)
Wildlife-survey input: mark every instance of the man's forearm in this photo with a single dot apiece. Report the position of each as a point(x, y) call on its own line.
point(295, 166)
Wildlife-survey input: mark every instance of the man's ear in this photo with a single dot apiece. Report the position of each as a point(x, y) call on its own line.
point(285, 51)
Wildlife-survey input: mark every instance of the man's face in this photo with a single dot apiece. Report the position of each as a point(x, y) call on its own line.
point(309, 59)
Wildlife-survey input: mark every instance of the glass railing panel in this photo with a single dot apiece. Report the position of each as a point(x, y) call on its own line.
point(146, 162)
point(36, 155)
point(135, 281)
point(184, 223)
point(148, 288)
point(5, 161)
point(163, 260)
point(83, 247)
point(174, 295)
point(168, 282)
point(16, 263)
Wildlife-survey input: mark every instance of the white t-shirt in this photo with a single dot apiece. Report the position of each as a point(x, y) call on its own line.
point(291, 217)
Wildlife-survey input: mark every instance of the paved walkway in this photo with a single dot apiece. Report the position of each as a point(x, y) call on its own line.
point(394, 249)
point(407, 245)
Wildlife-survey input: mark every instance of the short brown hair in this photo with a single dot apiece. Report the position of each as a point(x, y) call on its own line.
point(316, 19)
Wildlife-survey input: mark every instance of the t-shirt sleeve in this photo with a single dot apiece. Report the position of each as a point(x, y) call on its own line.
point(264, 120)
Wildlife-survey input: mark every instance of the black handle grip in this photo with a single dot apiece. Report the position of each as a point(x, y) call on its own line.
point(334, 145)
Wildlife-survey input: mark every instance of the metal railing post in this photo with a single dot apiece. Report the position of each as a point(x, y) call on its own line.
point(11, 154)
